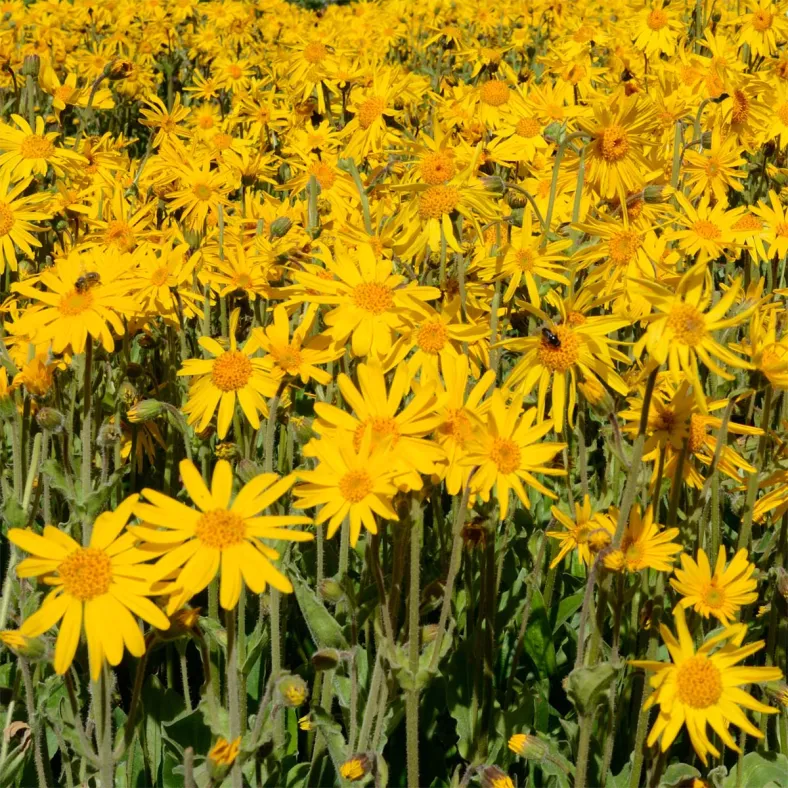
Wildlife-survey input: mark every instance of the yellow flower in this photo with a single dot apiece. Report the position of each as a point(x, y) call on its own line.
point(355, 768)
point(720, 594)
point(226, 534)
point(644, 545)
point(224, 752)
point(166, 122)
point(30, 152)
point(703, 687)
point(708, 231)
point(506, 454)
point(716, 171)
point(99, 588)
point(232, 374)
point(588, 533)
point(15, 220)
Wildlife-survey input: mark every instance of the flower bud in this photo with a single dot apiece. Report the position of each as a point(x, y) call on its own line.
point(32, 648)
point(356, 768)
point(615, 560)
point(51, 420)
point(134, 370)
point(247, 470)
point(31, 66)
point(280, 227)
point(293, 690)
point(515, 199)
point(331, 591)
point(183, 623)
point(145, 410)
point(654, 194)
point(494, 183)
point(305, 722)
point(118, 69)
point(597, 396)
point(226, 451)
point(222, 756)
point(493, 777)
point(108, 435)
point(527, 746)
point(428, 633)
point(325, 659)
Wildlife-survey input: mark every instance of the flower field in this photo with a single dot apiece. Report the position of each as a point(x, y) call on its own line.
point(394, 393)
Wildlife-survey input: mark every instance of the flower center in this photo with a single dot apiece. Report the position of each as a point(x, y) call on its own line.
point(697, 433)
point(86, 573)
point(355, 486)
point(75, 303)
point(6, 219)
point(713, 167)
point(382, 427)
point(437, 168)
point(373, 297)
point(438, 201)
point(235, 71)
point(762, 19)
point(773, 356)
point(748, 221)
point(63, 93)
point(688, 324)
point(781, 230)
point(614, 143)
point(314, 52)
point(495, 93)
point(457, 425)
point(699, 682)
point(370, 111)
point(288, 358)
point(657, 19)
point(741, 107)
point(35, 146)
point(782, 113)
point(706, 229)
point(243, 281)
point(202, 191)
point(220, 529)
point(432, 336)
point(525, 259)
point(528, 128)
point(565, 355)
point(714, 596)
point(506, 454)
point(324, 175)
point(623, 246)
point(222, 141)
point(205, 122)
point(633, 553)
point(120, 234)
point(160, 277)
point(231, 371)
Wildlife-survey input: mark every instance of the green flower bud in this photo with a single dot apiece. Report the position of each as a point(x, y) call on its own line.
point(325, 659)
point(293, 691)
point(331, 591)
point(280, 227)
point(51, 420)
point(145, 410)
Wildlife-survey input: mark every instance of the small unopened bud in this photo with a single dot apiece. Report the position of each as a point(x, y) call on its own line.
point(280, 227)
point(493, 777)
point(305, 722)
point(331, 591)
point(527, 746)
point(356, 768)
point(293, 690)
point(597, 396)
point(247, 470)
point(51, 420)
point(31, 66)
point(134, 370)
point(494, 183)
point(32, 648)
point(428, 633)
point(653, 194)
point(615, 560)
point(222, 756)
point(323, 206)
point(226, 451)
point(515, 199)
point(325, 659)
point(108, 435)
point(145, 410)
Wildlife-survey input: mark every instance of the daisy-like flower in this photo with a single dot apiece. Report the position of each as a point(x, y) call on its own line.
point(708, 231)
point(98, 589)
point(703, 687)
point(357, 484)
point(200, 192)
point(27, 152)
point(720, 594)
point(166, 123)
point(507, 453)
point(84, 297)
point(225, 534)
point(17, 211)
point(775, 501)
point(681, 331)
point(657, 28)
point(231, 375)
point(296, 357)
point(717, 170)
point(588, 533)
point(768, 354)
point(224, 752)
point(763, 27)
point(775, 234)
point(644, 545)
point(368, 299)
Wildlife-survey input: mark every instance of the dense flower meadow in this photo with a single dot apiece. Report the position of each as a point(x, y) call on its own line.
point(394, 393)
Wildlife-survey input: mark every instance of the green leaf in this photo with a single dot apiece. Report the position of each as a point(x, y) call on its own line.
point(766, 770)
point(586, 687)
point(160, 705)
point(538, 640)
point(14, 762)
point(189, 730)
point(13, 514)
point(566, 609)
point(676, 774)
point(325, 631)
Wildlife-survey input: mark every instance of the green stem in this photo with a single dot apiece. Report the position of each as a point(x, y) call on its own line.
point(34, 720)
point(414, 601)
point(276, 660)
point(86, 433)
point(232, 692)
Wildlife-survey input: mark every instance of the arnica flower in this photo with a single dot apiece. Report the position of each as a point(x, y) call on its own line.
point(355, 768)
point(507, 453)
point(493, 777)
point(17, 211)
point(224, 753)
point(107, 581)
point(588, 533)
point(357, 484)
point(31, 152)
point(644, 545)
point(231, 375)
point(226, 534)
point(703, 687)
point(720, 594)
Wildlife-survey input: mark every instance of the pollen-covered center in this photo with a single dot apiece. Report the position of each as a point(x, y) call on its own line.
point(231, 371)
point(6, 219)
point(762, 19)
point(373, 297)
point(222, 141)
point(119, 234)
point(74, 303)
point(613, 143)
point(506, 454)
point(324, 175)
point(220, 529)
point(782, 113)
point(495, 93)
point(370, 111)
point(438, 201)
point(86, 573)
point(699, 682)
point(202, 191)
point(697, 433)
point(688, 324)
point(525, 259)
point(314, 52)
point(740, 111)
point(382, 427)
point(623, 246)
point(457, 425)
point(437, 167)
point(528, 128)
point(714, 596)
point(355, 486)
point(289, 358)
point(160, 276)
point(748, 222)
point(432, 336)
point(560, 358)
point(706, 229)
point(657, 19)
point(36, 146)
